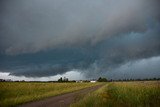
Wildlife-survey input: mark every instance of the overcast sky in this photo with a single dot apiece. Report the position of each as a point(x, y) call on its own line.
point(81, 39)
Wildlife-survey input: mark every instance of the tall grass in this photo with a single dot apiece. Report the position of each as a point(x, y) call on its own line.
point(124, 94)
point(14, 93)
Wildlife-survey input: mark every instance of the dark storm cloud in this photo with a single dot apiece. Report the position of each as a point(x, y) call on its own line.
point(129, 48)
point(32, 26)
point(141, 69)
point(54, 62)
point(42, 38)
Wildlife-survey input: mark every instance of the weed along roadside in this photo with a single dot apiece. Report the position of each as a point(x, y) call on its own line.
point(124, 94)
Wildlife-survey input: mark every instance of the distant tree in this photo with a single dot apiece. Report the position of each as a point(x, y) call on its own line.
point(65, 79)
point(60, 80)
point(99, 79)
point(102, 79)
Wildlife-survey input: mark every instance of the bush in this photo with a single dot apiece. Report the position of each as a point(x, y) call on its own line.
point(102, 79)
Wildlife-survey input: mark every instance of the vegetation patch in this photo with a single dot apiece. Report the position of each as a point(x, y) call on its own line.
point(14, 93)
point(124, 94)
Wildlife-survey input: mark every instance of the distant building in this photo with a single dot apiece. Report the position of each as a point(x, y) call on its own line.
point(93, 81)
point(79, 81)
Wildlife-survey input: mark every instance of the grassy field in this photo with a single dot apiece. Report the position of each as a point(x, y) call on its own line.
point(124, 94)
point(14, 93)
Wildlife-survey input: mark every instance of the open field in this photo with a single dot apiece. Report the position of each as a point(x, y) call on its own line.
point(14, 93)
point(63, 100)
point(124, 94)
point(113, 94)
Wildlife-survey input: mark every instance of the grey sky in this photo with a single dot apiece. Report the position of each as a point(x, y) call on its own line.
point(45, 38)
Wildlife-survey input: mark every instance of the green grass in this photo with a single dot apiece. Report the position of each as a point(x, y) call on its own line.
point(124, 94)
point(15, 93)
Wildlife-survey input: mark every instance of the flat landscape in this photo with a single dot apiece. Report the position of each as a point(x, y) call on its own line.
point(80, 53)
point(15, 93)
point(63, 100)
point(109, 94)
point(124, 94)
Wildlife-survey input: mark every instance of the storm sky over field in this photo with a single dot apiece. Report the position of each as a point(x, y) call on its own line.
point(116, 39)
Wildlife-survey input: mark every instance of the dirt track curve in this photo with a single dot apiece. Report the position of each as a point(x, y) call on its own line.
point(62, 100)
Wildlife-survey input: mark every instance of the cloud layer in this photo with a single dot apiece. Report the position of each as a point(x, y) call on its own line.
point(42, 38)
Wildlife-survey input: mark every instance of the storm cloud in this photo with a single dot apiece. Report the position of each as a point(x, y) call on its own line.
point(43, 38)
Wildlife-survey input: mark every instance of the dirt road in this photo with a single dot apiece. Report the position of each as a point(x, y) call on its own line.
point(62, 100)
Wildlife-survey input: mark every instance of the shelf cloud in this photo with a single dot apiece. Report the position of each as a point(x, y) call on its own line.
point(46, 38)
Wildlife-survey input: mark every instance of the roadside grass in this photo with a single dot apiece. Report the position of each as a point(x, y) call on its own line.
point(124, 94)
point(15, 93)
